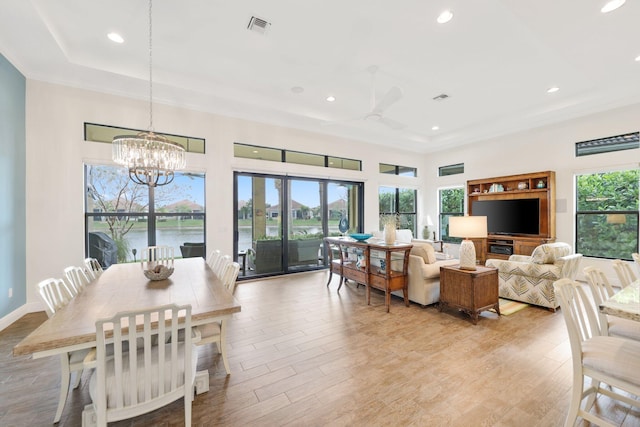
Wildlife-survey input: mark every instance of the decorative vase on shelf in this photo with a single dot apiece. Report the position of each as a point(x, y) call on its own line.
point(389, 234)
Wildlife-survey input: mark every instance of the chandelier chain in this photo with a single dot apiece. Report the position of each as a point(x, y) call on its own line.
point(150, 69)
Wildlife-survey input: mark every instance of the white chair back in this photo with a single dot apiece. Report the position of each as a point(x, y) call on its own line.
point(624, 272)
point(601, 290)
point(133, 379)
point(77, 278)
point(230, 275)
point(157, 255)
point(93, 268)
point(55, 294)
point(213, 257)
point(636, 258)
point(579, 314)
point(221, 265)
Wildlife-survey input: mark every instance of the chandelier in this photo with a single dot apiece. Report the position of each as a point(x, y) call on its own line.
point(151, 158)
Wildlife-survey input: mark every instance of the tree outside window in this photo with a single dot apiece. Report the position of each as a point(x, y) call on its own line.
point(607, 214)
point(451, 204)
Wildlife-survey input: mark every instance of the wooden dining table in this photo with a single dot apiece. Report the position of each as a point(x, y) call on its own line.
point(625, 303)
point(124, 287)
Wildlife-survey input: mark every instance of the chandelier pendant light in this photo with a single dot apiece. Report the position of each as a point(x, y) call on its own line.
point(150, 158)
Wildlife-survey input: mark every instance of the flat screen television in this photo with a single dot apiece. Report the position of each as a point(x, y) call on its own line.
point(513, 216)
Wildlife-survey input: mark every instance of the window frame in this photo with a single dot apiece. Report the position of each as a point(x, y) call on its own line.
point(151, 215)
point(413, 214)
point(442, 224)
point(579, 244)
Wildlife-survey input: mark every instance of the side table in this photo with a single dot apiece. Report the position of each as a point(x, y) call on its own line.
point(471, 291)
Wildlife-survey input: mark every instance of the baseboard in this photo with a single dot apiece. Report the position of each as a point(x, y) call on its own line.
point(16, 314)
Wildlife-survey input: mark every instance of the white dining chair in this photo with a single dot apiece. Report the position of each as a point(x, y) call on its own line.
point(93, 268)
point(77, 278)
point(221, 265)
point(606, 360)
point(601, 291)
point(636, 258)
point(158, 255)
point(624, 272)
point(56, 293)
point(131, 380)
point(216, 332)
point(213, 257)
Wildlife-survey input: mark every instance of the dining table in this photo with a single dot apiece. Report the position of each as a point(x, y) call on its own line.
point(124, 287)
point(625, 303)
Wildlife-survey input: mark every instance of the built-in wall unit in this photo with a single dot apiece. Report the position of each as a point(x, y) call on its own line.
point(520, 211)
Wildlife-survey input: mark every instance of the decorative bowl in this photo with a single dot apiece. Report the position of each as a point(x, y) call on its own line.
point(159, 273)
point(360, 236)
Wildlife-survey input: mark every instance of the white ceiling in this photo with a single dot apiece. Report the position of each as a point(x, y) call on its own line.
point(495, 60)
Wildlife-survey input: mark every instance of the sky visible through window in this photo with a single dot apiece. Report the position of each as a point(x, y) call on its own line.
point(306, 192)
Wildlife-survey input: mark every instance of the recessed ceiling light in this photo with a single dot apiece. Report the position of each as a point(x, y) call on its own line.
point(612, 5)
point(553, 89)
point(297, 89)
point(638, 58)
point(115, 37)
point(255, 151)
point(331, 98)
point(445, 17)
point(435, 127)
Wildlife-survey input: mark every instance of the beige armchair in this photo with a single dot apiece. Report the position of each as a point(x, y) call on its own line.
point(424, 269)
point(530, 279)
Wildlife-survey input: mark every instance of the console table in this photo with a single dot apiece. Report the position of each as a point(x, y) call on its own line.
point(470, 291)
point(362, 262)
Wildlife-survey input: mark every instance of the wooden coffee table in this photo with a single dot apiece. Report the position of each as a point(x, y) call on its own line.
point(471, 291)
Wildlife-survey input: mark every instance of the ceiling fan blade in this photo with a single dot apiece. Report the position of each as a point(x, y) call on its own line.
point(392, 123)
point(391, 97)
point(336, 122)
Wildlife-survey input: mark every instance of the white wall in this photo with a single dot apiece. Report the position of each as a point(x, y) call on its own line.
point(56, 153)
point(541, 149)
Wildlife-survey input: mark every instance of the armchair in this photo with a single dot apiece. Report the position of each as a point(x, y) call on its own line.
point(530, 279)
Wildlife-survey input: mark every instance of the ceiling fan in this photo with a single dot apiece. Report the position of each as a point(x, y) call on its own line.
point(378, 107)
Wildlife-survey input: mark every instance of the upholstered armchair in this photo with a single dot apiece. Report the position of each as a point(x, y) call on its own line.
point(530, 279)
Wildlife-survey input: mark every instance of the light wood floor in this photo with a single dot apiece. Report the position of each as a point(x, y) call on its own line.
point(301, 354)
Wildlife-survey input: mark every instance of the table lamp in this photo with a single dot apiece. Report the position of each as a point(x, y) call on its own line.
point(474, 227)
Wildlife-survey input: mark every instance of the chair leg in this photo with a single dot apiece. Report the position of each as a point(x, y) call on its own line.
point(64, 385)
point(576, 399)
point(223, 345)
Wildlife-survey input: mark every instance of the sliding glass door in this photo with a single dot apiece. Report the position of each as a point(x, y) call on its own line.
point(280, 221)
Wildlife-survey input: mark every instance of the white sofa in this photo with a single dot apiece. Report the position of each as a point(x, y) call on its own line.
point(424, 269)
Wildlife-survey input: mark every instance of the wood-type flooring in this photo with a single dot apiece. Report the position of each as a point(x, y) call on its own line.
point(303, 355)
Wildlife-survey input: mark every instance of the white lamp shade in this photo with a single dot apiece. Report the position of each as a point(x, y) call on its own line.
point(468, 227)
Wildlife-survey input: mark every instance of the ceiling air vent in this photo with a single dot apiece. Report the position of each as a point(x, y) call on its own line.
point(258, 25)
point(440, 97)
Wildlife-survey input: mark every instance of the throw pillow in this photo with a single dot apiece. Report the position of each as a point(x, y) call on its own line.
point(425, 251)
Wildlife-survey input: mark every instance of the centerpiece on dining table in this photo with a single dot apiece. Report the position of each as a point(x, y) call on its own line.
point(157, 262)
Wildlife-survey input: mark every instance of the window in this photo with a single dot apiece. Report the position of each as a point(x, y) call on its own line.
point(451, 204)
point(607, 214)
point(451, 169)
point(398, 170)
point(606, 145)
point(400, 202)
point(286, 156)
point(102, 133)
point(122, 218)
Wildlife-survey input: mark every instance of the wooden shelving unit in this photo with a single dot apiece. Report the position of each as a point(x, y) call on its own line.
point(537, 185)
